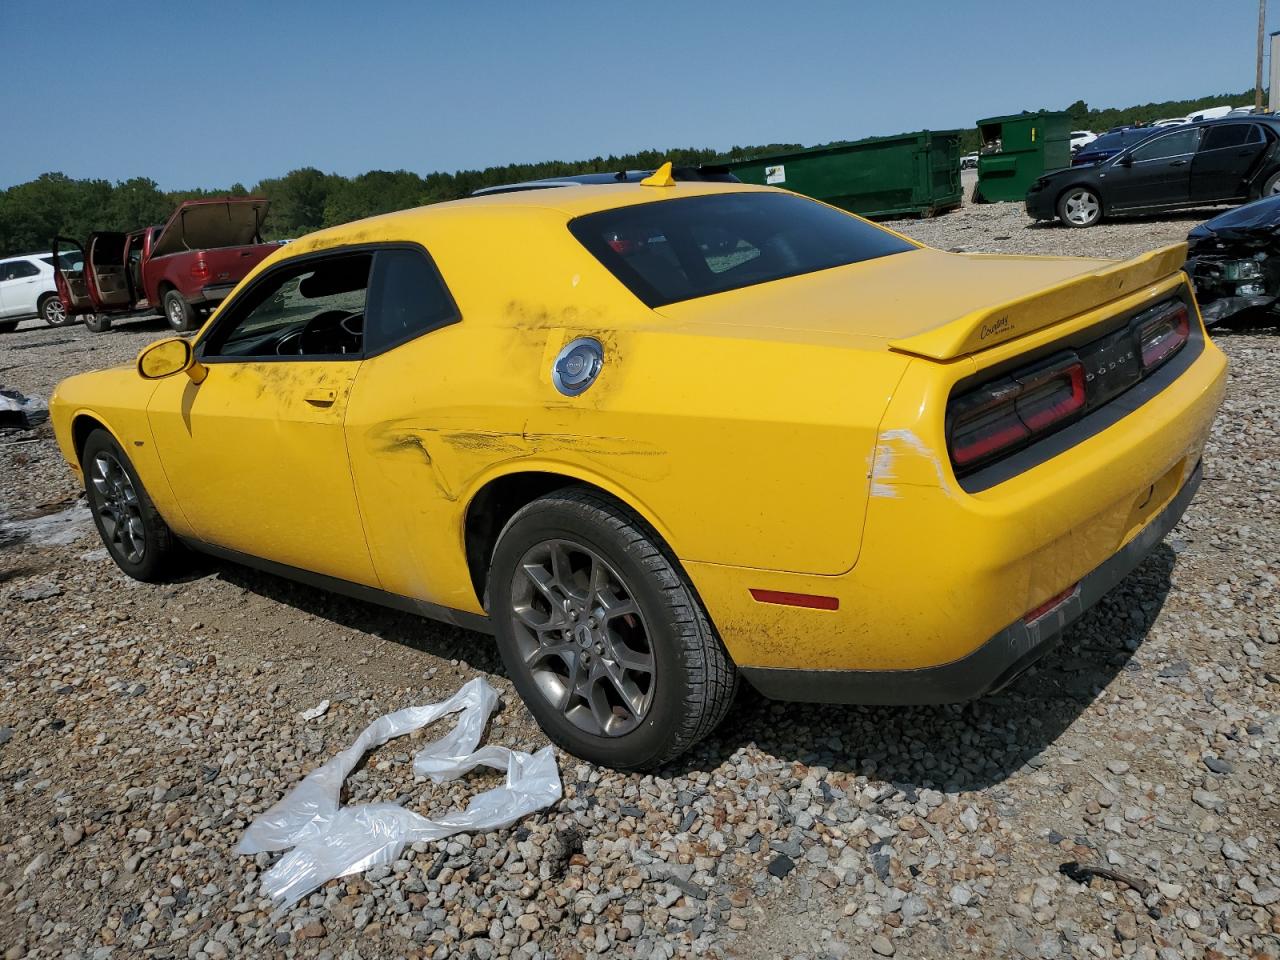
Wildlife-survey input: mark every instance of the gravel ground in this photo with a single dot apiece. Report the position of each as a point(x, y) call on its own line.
point(142, 727)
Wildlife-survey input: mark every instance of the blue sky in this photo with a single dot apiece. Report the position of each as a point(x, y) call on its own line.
point(209, 93)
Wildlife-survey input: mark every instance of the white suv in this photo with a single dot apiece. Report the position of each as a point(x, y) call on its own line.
point(27, 290)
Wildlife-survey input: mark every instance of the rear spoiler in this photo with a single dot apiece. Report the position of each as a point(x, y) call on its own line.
point(990, 326)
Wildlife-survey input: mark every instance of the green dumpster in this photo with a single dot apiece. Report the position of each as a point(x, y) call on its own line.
point(1018, 149)
point(912, 173)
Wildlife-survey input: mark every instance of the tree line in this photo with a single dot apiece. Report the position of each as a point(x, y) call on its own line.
point(301, 200)
point(305, 200)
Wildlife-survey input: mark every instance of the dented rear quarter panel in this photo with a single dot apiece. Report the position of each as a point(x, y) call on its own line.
point(739, 449)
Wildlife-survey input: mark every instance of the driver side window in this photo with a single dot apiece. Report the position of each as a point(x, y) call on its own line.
point(1171, 145)
point(311, 309)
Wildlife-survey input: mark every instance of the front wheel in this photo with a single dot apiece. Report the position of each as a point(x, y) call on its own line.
point(8, 326)
point(1079, 207)
point(602, 634)
point(179, 313)
point(97, 322)
point(52, 311)
point(134, 533)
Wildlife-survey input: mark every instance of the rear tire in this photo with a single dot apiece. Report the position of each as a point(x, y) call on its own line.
point(179, 313)
point(132, 530)
point(52, 311)
point(97, 322)
point(1272, 185)
point(611, 652)
point(1079, 207)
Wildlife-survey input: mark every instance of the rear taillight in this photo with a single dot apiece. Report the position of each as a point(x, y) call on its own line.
point(999, 416)
point(1162, 333)
point(199, 270)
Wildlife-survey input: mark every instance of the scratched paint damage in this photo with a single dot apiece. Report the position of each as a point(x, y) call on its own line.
point(455, 457)
point(901, 459)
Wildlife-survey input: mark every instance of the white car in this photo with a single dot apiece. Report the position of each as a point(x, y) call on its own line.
point(27, 290)
point(1082, 138)
point(969, 161)
point(1209, 113)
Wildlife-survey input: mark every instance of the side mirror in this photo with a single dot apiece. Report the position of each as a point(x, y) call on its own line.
point(166, 357)
point(1126, 160)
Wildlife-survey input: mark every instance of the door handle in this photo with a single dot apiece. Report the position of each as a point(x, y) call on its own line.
point(320, 398)
point(1178, 163)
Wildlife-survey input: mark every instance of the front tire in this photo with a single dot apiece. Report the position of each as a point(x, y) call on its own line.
point(8, 326)
point(602, 634)
point(179, 313)
point(97, 322)
point(134, 533)
point(1079, 207)
point(52, 311)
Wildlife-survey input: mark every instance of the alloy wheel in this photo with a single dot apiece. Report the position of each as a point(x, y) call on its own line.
point(55, 314)
point(1275, 187)
point(118, 508)
point(1082, 207)
point(583, 638)
point(176, 317)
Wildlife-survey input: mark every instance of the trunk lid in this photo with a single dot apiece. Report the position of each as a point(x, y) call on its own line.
point(211, 224)
point(929, 303)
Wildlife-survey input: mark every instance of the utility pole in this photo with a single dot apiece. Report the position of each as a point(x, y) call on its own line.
point(1262, 30)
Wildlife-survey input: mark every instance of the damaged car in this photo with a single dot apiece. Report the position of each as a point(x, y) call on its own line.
point(1234, 262)
point(664, 436)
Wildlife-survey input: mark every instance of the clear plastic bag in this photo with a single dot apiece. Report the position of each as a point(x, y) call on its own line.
point(330, 840)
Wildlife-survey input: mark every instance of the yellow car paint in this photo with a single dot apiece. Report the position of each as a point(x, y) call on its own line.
point(787, 436)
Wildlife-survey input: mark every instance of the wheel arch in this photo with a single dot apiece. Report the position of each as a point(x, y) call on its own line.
point(83, 424)
point(497, 499)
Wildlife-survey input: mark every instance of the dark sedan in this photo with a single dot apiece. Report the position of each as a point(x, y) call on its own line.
point(1111, 143)
point(1191, 165)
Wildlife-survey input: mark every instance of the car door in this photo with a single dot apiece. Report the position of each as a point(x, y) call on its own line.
point(70, 277)
point(1155, 173)
point(1228, 155)
point(19, 287)
point(255, 453)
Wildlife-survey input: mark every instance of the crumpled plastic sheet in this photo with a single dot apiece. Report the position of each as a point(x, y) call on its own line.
point(330, 840)
point(21, 411)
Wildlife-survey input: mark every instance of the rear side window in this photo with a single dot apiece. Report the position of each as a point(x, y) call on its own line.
point(18, 270)
point(1230, 135)
point(407, 297)
point(674, 250)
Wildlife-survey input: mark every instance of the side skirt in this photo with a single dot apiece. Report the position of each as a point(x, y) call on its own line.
point(432, 611)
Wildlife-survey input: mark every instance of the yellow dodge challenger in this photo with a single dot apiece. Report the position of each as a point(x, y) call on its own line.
point(661, 436)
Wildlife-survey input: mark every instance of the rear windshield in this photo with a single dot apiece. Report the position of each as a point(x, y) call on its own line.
point(676, 250)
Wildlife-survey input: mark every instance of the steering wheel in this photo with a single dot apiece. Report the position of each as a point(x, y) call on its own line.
point(332, 331)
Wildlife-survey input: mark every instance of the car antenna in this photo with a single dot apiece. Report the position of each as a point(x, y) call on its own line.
point(660, 178)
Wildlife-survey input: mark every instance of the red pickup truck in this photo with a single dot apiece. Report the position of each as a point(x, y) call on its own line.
point(183, 269)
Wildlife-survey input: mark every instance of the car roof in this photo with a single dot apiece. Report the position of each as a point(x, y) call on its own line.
point(585, 199)
point(25, 256)
point(705, 172)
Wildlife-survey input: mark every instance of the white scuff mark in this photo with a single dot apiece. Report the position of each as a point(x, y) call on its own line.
point(891, 447)
point(882, 472)
point(331, 840)
point(316, 712)
point(54, 530)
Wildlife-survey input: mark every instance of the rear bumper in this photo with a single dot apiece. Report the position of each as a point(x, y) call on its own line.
point(994, 664)
point(215, 292)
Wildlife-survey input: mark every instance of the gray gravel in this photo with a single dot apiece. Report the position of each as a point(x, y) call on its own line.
point(142, 727)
